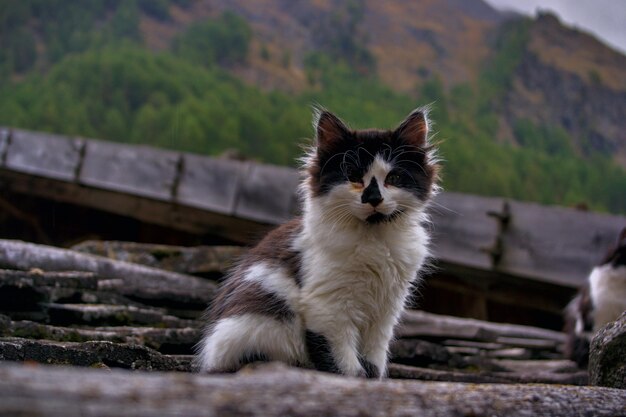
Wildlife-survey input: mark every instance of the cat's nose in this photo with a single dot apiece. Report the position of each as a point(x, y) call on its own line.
point(371, 194)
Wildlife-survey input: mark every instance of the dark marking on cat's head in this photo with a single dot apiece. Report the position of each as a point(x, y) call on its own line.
point(414, 129)
point(343, 154)
point(330, 131)
point(616, 255)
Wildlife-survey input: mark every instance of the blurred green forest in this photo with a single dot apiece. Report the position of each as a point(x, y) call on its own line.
point(95, 78)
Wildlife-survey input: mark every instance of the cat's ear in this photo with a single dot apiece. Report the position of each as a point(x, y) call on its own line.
point(329, 129)
point(414, 129)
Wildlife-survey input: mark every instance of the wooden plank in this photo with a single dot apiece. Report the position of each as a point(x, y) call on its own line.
point(178, 217)
point(210, 183)
point(138, 170)
point(462, 229)
point(43, 154)
point(268, 194)
point(5, 137)
point(557, 244)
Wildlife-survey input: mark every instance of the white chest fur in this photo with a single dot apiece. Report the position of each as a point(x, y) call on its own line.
point(608, 293)
point(361, 271)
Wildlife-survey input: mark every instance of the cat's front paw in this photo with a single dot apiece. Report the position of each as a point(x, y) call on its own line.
point(369, 369)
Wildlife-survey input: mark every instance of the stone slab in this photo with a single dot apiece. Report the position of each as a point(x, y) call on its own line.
point(274, 390)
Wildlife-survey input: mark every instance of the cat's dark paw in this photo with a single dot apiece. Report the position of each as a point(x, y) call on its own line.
point(369, 369)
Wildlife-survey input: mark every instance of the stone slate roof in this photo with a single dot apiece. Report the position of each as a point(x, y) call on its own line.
point(74, 307)
point(130, 319)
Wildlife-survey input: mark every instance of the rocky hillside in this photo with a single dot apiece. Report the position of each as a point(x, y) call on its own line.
point(404, 42)
point(562, 77)
point(570, 79)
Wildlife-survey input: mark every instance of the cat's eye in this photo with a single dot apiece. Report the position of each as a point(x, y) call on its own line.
point(393, 179)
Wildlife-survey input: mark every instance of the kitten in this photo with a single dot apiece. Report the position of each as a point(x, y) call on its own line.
point(325, 290)
point(599, 302)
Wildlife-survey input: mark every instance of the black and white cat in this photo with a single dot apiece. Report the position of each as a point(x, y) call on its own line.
point(599, 302)
point(326, 290)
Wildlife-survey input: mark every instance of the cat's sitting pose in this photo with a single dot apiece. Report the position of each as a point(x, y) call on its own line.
point(599, 302)
point(326, 290)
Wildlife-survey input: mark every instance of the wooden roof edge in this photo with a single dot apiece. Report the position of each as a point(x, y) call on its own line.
point(550, 243)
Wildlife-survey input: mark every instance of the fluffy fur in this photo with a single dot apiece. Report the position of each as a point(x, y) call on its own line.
point(599, 302)
point(326, 290)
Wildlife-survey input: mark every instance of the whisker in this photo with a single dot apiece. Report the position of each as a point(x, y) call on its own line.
point(366, 151)
point(438, 205)
point(415, 163)
point(330, 159)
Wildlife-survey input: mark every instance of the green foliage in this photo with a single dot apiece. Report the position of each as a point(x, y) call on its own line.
point(510, 46)
point(550, 140)
point(64, 27)
point(17, 45)
point(21, 50)
point(129, 94)
point(432, 91)
point(159, 9)
point(222, 41)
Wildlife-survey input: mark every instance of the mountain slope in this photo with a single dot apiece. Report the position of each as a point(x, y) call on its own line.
point(569, 79)
point(565, 78)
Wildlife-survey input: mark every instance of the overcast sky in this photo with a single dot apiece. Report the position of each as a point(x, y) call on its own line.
point(606, 19)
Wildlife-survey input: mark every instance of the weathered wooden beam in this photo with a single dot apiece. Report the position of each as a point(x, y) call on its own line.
point(177, 216)
point(551, 244)
point(275, 390)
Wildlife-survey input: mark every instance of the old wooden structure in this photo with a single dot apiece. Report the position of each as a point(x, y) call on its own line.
point(495, 259)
